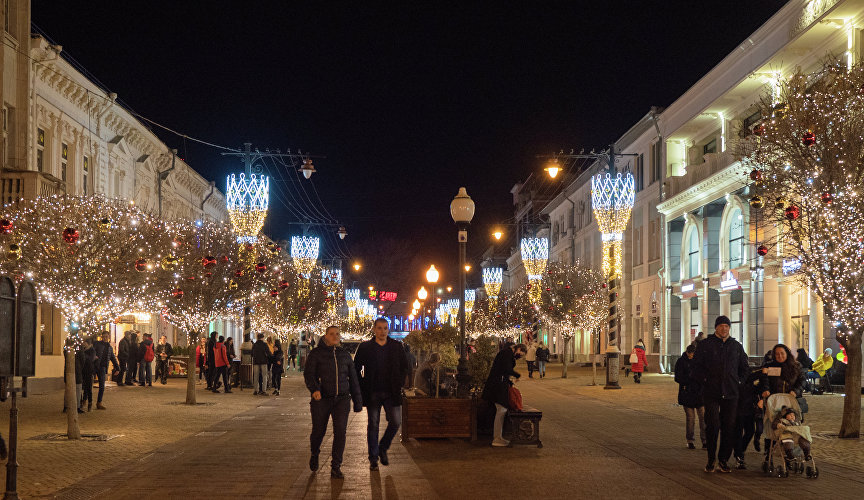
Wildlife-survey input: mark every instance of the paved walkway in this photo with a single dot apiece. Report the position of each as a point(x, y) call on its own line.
point(599, 444)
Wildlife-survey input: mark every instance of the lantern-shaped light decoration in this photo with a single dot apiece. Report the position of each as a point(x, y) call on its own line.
point(612, 201)
point(352, 296)
point(304, 251)
point(535, 253)
point(248, 200)
point(492, 278)
point(470, 296)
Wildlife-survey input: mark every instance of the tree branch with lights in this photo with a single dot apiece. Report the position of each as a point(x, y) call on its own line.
point(807, 168)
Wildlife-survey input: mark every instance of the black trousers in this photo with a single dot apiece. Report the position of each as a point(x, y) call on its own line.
point(221, 371)
point(745, 428)
point(162, 370)
point(276, 379)
point(131, 370)
point(322, 411)
point(720, 415)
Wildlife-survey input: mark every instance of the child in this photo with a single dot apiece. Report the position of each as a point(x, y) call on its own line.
point(791, 431)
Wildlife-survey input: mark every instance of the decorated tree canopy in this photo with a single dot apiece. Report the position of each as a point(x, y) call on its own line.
point(574, 298)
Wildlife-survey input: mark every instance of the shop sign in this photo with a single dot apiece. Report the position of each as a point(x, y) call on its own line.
point(730, 281)
point(688, 289)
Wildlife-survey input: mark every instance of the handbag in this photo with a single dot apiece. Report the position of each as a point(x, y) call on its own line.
point(634, 358)
point(802, 404)
point(515, 398)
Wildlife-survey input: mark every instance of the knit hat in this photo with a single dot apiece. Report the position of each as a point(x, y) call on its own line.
point(722, 320)
point(829, 351)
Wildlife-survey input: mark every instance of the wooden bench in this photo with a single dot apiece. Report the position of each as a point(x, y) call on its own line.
point(524, 426)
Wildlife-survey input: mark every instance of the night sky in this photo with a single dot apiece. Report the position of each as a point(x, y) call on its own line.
point(407, 100)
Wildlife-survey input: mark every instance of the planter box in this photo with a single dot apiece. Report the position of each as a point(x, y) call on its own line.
point(438, 418)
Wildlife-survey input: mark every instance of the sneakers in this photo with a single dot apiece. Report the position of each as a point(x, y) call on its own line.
point(691, 446)
point(724, 467)
point(710, 466)
point(313, 463)
point(500, 442)
point(740, 463)
point(336, 473)
point(382, 455)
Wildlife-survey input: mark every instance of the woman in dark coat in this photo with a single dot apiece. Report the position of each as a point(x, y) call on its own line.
point(791, 378)
point(497, 387)
point(277, 361)
point(690, 396)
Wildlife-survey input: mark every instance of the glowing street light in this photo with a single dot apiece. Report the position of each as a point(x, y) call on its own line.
point(498, 234)
point(416, 304)
point(422, 293)
point(553, 167)
point(467, 268)
point(357, 267)
point(432, 274)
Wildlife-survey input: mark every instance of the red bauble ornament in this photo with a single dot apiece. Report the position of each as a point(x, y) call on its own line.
point(759, 130)
point(755, 175)
point(283, 284)
point(827, 198)
point(208, 275)
point(792, 212)
point(303, 308)
point(567, 287)
point(6, 226)
point(190, 278)
point(274, 293)
point(238, 273)
point(70, 235)
point(762, 250)
point(260, 267)
point(208, 262)
point(604, 285)
point(808, 138)
point(224, 258)
point(548, 289)
point(141, 265)
point(177, 293)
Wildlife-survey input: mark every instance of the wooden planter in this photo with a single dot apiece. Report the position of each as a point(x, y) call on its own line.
point(438, 418)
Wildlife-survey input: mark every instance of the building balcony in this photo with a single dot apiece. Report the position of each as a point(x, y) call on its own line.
point(16, 185)
point(714, 163)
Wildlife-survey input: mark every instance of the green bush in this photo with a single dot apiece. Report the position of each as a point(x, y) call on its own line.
point(480, 361)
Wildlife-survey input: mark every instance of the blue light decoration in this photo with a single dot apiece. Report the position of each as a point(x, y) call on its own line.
point(248, 200)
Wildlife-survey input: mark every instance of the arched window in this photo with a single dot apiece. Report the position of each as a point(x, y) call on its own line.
point(693, 254)
point(737, 243)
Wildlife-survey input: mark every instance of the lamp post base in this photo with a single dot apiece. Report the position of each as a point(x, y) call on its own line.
point(613, 356)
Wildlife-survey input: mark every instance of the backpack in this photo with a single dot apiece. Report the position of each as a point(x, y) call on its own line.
point(148, 354)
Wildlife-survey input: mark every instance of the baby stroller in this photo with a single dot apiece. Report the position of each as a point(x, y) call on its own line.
point(773, 407)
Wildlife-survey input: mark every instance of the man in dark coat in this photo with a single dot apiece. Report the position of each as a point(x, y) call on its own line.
point(211, 365)
point(104, 354)
point(123, 355)
point(497, 388)
point(163, 357)
point(383, 369)
point(260, 356)
point(720, 365)
point(332, 381)
point(132, 359)
point(690, 396)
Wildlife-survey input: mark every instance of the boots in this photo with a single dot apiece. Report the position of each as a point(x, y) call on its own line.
point(100, 406)
point(89, 405)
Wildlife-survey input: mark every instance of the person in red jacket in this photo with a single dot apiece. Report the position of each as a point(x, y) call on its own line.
point(640, 363)
point(200, 358)
point(220, 361)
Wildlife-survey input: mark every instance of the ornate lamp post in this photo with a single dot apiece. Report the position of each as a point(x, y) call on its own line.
point(462, 211)
point(612, 197)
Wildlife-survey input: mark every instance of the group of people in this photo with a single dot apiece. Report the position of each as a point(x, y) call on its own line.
point(718, 387)
point(135, 359)
point(213, 357)
point(536, 356)
point(374, 379)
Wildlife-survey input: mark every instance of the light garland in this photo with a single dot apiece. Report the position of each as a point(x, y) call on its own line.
point(304, 251)
point(470, 296)
point(247, 202)
point(535, 253)
point(612, 201)
point(492, 279)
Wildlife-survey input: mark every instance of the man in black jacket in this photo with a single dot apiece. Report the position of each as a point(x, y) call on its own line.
point(163, 355)
point(333, 384)
point(720, 365)
point(211, 365)
point(104, 353)
point(260, 356)
point(383, 368)
point(123, 355)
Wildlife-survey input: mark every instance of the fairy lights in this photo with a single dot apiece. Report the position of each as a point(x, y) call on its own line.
point(247, 200)
point(535, 253)
point(470, 296)
point(492, 279)
point(612, 201)
point(304, 251)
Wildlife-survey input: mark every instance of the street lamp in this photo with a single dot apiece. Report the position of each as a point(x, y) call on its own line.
point(422, 293)
point(553, 167)
point(357, 267)
point(432, 278)
point(462, 211)
point(498, 234)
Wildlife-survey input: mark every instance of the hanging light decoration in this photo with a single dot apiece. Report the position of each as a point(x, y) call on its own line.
point(535, 253)
point(470, 295)
point(612, 201)
point(352, 296)
point(248, 200)
point(304, 251)
point(492, 279)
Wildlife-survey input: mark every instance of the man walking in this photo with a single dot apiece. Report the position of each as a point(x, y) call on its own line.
point(163, 355)
point(383, 368)
point(260, 355)
point(292, 354)
point(332, 381)
point(720, 365)
point(104, 353)
point(220, 362)
point(211, 367)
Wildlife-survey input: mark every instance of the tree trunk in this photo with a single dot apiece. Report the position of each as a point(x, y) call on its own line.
point(851, 424)
point(69, 396)
point(564, 359)
point(190, 370)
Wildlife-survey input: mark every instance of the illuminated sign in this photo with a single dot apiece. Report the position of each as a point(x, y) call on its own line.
point(730, 281)
point(387, 296)
point(373, 294)
point(791, 266)
point(688, 289)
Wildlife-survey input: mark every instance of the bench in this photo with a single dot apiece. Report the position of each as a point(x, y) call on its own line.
point(524, 426)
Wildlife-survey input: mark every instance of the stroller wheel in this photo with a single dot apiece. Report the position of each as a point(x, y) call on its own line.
point(815, 473)
point(781, 472)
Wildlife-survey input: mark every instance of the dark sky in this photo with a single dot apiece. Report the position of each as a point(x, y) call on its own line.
point(407, 100)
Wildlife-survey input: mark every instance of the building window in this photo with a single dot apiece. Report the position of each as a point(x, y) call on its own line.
point(737, 256)
point(86, 170)
point(638, 173)
point(64, 160)
point(5, 119)
point(693, 254)
point(711, 147)
point(40, 149)
point(654, 244)
point(570, 218)
point(751, 120)
point(655, 162)
point(637, 245)
point(557, 228)
point(46, 334)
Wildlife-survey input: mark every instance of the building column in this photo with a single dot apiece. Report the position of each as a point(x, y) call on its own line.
point(725, 303)
point(685, 323)
point(784, 318)
point(815, 324)
point(745, 320)
point(704, 297)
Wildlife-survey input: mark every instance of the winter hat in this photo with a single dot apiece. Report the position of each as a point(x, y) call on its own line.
point(722, 320)
point(829, 351)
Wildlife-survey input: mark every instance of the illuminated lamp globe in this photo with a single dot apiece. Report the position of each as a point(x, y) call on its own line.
point(307, 169)
point(462, 207)
point(553, 167)
point(432, 274)
point(422, 293)
point(357, 267)
point(498, 235)
point(416, 304)
point(342, 232)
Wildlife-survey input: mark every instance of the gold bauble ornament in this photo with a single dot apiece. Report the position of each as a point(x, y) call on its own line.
point(13, 252)
point(170, 262)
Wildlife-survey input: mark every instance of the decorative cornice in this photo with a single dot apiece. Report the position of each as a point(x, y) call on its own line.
point(702, 192)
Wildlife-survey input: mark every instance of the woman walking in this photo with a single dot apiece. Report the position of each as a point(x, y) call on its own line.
point(276, 366)
point(638, 363)
point(690, 397)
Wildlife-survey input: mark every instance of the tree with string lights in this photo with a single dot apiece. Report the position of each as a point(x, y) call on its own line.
point(572, 300)
point(89, 256)
point(807, 168)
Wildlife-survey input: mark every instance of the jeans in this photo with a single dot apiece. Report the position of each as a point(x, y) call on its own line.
point(530, 369)
point(101, 373)
point(259, 377)
point(498, 428)
point(292, 361)
point(145, 373)
point(691, 414)
point(78, 389)
point(394, 420)
point(720, 417)
point(322, 410)
point(131, 371)
point(541, 367)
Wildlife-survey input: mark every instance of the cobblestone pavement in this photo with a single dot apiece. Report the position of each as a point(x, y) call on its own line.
point(597, 443)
